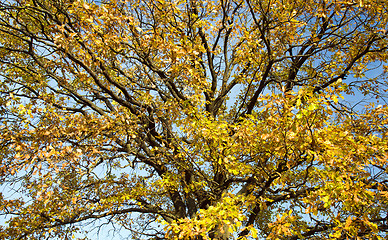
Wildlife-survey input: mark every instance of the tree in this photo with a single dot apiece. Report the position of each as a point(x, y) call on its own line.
point(192, 119)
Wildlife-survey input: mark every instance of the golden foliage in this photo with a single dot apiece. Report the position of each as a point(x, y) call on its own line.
point(194, 119)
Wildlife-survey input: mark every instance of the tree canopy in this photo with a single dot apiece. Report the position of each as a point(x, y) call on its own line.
point(194, 119)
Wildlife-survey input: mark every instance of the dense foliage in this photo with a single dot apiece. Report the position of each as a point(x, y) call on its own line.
point(194, 119)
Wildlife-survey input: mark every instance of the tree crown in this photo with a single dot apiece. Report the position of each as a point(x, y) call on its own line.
point(194, 119)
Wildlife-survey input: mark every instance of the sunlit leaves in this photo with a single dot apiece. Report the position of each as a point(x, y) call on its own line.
point(194, 119)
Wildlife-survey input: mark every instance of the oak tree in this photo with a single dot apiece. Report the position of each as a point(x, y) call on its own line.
point(194, 119)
